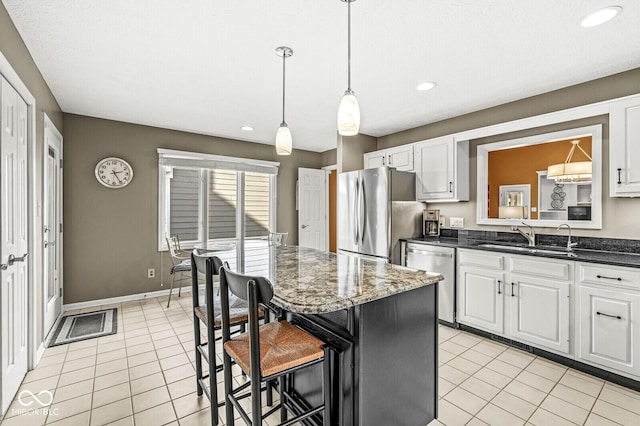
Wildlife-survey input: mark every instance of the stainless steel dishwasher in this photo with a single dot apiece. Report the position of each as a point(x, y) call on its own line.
point(441, 260)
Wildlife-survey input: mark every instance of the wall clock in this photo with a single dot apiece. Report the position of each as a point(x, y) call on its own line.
point(114, 172)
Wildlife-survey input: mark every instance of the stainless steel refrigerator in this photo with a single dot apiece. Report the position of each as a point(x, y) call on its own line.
point(377, 207)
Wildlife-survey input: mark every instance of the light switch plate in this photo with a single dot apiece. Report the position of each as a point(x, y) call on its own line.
point(456, 222)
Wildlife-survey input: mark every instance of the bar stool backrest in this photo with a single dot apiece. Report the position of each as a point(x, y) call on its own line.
point(199, 260)
point(237, 285)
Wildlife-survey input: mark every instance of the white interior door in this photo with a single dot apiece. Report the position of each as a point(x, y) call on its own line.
point(313, 229)
point(13, 244)
point(52, 232)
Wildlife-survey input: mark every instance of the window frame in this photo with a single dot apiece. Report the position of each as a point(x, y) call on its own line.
point(200, 161)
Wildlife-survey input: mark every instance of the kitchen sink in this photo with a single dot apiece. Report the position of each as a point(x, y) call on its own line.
point(520, 249)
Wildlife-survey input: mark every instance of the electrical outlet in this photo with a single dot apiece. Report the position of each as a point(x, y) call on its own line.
point(456, 222)
point(443, 222)
point(151, 273)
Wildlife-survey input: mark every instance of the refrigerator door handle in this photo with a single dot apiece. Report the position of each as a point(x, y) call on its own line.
point(356, 213)
point(364, 209)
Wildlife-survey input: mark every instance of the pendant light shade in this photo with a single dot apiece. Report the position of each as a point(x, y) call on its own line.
point(284, 142)
point(568, 172)
point(349, 115)
point(349, 110)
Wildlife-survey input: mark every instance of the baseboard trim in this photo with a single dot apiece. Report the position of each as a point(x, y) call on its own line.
point(39, 353)
point(121, 299)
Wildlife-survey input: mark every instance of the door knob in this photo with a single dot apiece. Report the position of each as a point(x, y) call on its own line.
point(47, 244)
point(304, 226)
point(12, 259)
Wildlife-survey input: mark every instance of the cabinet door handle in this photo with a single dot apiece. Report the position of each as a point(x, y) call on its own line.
point(607, 315)
point(389, 160)
point(619, 172)
point(384, 160)
point(499, 282)
point(512, 293)
point(609, 278)
point(450, 186)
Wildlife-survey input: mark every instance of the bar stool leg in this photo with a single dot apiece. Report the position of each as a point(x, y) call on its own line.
point(227, 389)
point(213, 383)
point(256, 400)
point(198, 342)
point(326, 386)
point(283, 397)
point(173, 278)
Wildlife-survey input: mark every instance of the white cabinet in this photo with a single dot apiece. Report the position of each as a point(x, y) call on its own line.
point(624, 149)
point(607, 317)
point(400, 157)
point(520, 297)
point(539, 311)
point(480, 298)
point(480, 290)
point(442, 169)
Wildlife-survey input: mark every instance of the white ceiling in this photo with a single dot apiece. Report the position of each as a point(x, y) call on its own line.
point(209, 66)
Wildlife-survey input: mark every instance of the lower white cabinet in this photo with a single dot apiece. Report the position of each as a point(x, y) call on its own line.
point(607, 317)
point(539, 311)
point(586, 311)
point(523, 298)
point(481, 298)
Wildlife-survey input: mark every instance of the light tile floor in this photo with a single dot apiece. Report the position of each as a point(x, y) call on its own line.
point(144, 375)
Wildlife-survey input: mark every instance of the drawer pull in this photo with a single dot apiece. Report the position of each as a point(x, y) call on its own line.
point(607, 315)
point(499, 282)
point(609, 278)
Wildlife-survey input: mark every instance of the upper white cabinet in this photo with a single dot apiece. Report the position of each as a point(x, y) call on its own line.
point(624, 147)
point(400, 157)
point(442, 170)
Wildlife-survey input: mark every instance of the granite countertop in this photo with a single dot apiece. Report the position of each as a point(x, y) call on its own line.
point(311, 281)
point(557, 251)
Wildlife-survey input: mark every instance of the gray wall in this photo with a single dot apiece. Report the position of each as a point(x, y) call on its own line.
point(329, 158)
point(619, 214)
point(111, 235)
point(14, 49)
point(350, 150)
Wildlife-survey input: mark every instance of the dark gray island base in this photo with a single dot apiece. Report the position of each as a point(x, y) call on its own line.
point(380, 320)
point(388, 360)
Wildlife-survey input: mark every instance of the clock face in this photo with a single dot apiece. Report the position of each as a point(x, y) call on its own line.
point(114, 172)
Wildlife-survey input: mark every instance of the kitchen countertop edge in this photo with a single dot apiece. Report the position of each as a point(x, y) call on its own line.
point(582, 255)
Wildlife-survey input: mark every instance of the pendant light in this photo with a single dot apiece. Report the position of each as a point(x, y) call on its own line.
point(283, 136)
point(568, 172)
point(349, 110)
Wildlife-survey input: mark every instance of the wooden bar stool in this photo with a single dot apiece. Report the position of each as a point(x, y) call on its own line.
point(211, 318)
point(265, 353)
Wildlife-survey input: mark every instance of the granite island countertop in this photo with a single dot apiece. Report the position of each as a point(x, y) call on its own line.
point(310, 281)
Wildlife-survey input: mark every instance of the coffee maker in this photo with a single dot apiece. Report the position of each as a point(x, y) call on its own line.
point(431, 223)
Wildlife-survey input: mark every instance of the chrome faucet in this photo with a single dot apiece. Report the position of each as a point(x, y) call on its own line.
point(530, 236)
point(570, 245)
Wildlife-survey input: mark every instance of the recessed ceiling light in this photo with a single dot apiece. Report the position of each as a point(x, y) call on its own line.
point(426, 85)
point(247, 128)
point(600, 16)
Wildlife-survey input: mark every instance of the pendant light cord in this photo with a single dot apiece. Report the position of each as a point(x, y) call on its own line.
point(284, 57)
point(349, 46)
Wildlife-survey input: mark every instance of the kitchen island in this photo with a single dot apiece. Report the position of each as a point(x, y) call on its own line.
point(381, 321)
